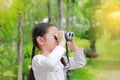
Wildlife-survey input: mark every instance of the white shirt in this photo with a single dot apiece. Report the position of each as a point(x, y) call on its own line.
point(50, 68)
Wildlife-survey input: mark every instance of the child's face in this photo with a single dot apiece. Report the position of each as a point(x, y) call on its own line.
point(50, 41)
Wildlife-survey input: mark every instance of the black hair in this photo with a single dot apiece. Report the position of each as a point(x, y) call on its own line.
point(39, 30)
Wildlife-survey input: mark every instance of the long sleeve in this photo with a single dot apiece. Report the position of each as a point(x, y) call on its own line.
point(48, 63)
point(77, 61)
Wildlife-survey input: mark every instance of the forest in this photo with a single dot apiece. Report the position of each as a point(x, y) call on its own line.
point(95, 24)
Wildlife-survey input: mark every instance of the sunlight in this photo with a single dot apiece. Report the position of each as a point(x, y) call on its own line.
point(115, 14)
point(114, 17)
point(110, 20)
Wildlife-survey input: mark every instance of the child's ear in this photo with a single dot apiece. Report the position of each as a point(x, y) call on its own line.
point(40, 40)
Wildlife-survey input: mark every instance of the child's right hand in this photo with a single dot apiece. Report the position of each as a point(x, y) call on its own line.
point(60, 38)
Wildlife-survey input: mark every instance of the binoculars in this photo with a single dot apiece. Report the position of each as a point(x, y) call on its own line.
point(69, 35)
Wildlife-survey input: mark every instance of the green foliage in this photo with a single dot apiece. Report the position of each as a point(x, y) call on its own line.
point(26, 66)
point(8, 62)
point(79, 32)
point(83, 43)
point(108, 47)
point(9, 74)
point(27, 50)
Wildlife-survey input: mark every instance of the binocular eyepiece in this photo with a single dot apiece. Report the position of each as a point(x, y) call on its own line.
point(69, 35)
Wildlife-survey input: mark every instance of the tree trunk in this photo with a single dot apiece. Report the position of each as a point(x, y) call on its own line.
point(72, 14)
point(49, 13)
point(20, 55)
point(59, 16)
point(67, 16)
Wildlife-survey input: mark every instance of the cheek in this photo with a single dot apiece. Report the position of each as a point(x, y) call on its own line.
point(51, 45)
point(51, 40)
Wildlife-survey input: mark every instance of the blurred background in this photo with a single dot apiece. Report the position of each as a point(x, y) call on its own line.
point(96, 24)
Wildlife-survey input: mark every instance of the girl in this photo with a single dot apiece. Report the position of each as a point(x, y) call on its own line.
point(50, 63)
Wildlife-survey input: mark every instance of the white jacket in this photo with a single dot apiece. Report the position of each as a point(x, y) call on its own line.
point(50, 68)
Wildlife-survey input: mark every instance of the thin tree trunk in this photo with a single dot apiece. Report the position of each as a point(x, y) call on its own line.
point(72, 14)
point(59, 16)
point(49, 11)
point(67, 16)
point(20, 54)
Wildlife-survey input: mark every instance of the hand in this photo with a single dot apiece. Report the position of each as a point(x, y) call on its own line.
point(60, 38)
point(72, 45)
